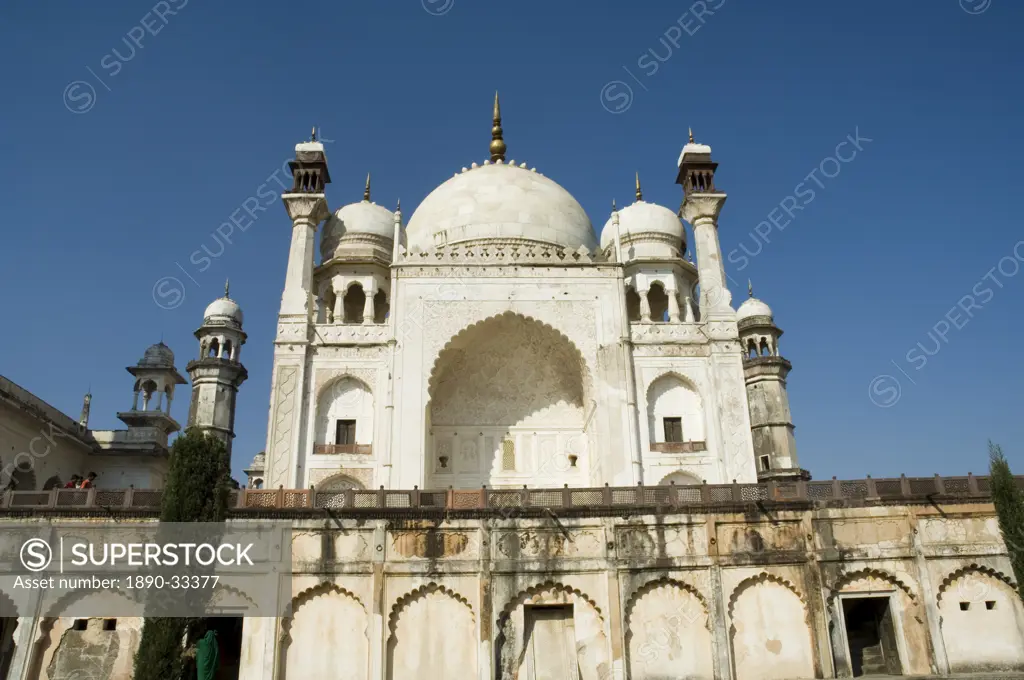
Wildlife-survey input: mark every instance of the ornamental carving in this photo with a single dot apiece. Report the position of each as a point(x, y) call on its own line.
point(503, 253)
point(434, 544)
point(670, 541)
point(642, 350)
point(527, 545)
point(284, 400)
point(334, 333)
point(689, 333)
point(292, 332)
point(323, 377)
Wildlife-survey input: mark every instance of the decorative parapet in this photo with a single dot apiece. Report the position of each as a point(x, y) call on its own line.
point(513, 252)
point(351, 334)
point(507, 502)
point(678, 447)
point(678, 333)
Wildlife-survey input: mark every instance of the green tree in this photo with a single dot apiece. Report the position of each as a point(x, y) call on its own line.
point(197, 487)
point(1008, 498)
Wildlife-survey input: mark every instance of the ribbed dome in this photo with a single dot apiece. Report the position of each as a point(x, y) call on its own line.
point(157, 356)
point(356, 218)
point(223, 309)
point(500, 202)
point(752, 307)
point(644, 218)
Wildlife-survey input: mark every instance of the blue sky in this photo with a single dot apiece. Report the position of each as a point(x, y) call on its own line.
point(118, 166)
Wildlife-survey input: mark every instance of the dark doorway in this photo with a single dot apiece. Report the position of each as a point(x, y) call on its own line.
point(229, 645)
point(872, 636)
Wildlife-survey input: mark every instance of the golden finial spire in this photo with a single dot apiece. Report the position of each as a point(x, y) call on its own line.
point(614, 207)
point(497, 141)
point(314, 134)
point(227, 287)
point(366, 191)
point(750, 288)
point(691, 135)
point(639, 191)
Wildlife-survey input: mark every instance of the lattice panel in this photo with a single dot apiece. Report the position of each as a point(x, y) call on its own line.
point(330, 499)
point(397, 500)
point(72, 498)
point(753, 492)
point(505, 499)
point(956, 485)
point(888, 488)
point(146, 499)
point(922, 487)
point(365, 499)
point(854, 489)
point(720, 494)
point(688, 494)
point(587, 498)
point(433, 499)
point(30, 499)
point(546, 498)
point(261, 499)
point(819, 491)
point(623, 496)
point(110, 499)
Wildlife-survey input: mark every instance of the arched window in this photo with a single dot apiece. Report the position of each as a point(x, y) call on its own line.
point(658, 301)
point(751, 349)
point(327, 303)
point(632, 304)
point(354, 303)
point(344, 418)
point(679, 479)
point(214, 349)
point(257, 483)
point(227, 349)
point(764, 347)
point(676, 416)
point(381, 308)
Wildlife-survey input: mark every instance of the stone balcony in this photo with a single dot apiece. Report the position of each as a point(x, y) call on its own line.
point(337, 449)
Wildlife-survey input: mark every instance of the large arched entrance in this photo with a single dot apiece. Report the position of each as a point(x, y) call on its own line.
point(507, 408)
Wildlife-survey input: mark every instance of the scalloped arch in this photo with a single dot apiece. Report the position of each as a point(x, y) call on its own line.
point(763, 577)
point(646, 588)
point(337, 378)
point(525, 596)
point(473, 327)
point(850, 577)
point(56, 610)
point(688, 382)
point(972, 568)
point(308, 594)
point(418, 593)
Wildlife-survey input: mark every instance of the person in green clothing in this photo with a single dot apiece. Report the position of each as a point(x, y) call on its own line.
point(207, 652)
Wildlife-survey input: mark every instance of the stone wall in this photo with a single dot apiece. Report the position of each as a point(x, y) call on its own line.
point(751, 591)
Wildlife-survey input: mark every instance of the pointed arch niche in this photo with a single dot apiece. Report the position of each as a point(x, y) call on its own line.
point(675, 415)
point(432, 634)
point(507, 407)
point(344, 417)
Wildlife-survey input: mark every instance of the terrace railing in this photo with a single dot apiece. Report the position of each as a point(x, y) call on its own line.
point(704, 495)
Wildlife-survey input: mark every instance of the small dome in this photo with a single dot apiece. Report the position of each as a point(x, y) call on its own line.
point(158, 356)
point(356, 218)
point(753, 307)
point(259, 460)
point(503, 202)
point(644, 218)
point(223, 309)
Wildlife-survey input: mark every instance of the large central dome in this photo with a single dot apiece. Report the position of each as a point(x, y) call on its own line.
point(499, 202)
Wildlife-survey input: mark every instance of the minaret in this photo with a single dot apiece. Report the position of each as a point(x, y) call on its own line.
point(702, 202)
point(307, 208)
point(218, 372)
point(765, 371)
point(83, 420)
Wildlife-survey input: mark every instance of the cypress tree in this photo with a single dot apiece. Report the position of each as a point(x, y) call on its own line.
point(1009, 501)
point(196, 490)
